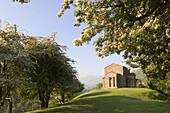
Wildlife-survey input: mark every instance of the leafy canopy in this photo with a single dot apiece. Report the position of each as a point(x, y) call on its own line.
point(54, 68)
point(138, 28)
point(14, 61)
point(22, 1)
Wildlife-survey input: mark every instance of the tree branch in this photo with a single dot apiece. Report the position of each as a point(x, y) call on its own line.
point(163, 5)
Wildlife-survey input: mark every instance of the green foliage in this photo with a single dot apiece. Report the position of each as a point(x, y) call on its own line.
point(33, 67)
point(14, 61)
point(68, 91)
point(21, 1)
point(54, 69)
point(138, 28)
point(161, 85)
point(155, 96)
point(53, 102)
point(139, 84)
point(77, 87)
point(124, 100)
point(20, 106)
point(99, 85)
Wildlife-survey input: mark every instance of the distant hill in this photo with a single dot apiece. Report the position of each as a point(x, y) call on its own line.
point(87, 89)
point(139, 75)
point(90, 80)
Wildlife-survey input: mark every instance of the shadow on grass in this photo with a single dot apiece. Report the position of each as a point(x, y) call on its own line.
point(95, 94)
point(155, 96)
point(111, 104)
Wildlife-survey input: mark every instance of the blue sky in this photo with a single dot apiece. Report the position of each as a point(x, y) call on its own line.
point(38, 18)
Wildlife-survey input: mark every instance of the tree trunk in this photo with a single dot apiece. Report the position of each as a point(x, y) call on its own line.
point(69, 97)
point(168, 100)
point(10, 105)
point(42, 103)
point(41, 98)
point(154, 88)
point(2, 100)
point(62, 97)
point(58, 100)
point(0, 93)
point(44, 99)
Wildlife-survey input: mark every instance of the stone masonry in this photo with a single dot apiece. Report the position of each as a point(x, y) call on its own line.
point(117, 76)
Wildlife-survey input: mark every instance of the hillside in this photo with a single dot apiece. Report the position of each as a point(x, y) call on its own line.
point(90, 80)
point(139, 75)
point(120, 100)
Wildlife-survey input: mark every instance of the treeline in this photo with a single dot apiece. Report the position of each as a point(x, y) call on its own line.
point(34, 68)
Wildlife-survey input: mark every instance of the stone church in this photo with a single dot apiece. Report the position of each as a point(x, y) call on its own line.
point(117, 76)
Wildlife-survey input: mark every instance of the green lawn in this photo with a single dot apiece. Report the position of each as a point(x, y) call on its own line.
point(120, 100)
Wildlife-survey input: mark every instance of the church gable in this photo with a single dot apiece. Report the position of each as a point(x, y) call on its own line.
point(114, 68)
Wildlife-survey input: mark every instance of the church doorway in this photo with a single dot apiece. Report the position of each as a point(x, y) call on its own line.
point(110, 80)
point(113, 81)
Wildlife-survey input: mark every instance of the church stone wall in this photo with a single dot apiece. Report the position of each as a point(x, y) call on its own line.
point(114, 68)
point(118, 76)
point(106, 80)
point(120, 82)
point(125, 71)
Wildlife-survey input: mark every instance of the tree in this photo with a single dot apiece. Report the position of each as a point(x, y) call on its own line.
point(14, 62)
point(74, 88)
point(50, 58)
point(161, 86)
point(99, 85)
point(33, 66)
point(69, 87)
point(54, 70)
point(22, 1)
point(139, 83)
point(138, 28)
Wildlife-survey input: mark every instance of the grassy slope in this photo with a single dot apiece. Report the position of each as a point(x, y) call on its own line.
point(121, 100)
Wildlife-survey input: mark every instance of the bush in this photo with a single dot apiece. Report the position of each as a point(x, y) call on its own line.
point(139, 84)
point(99, 85)
point(168, 100)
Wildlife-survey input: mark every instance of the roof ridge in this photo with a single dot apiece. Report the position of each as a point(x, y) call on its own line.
point(114, 64)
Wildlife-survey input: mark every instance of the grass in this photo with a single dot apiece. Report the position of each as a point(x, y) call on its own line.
point(120, 100)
